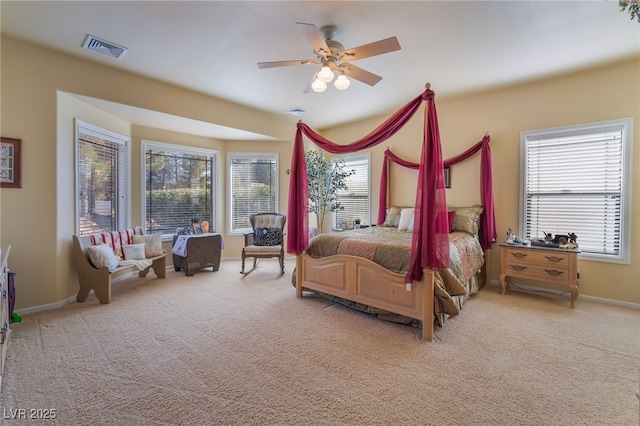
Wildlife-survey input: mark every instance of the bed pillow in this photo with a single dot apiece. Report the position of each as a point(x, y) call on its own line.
point(406, 219)
point(392, 218)
point(267, 236)
point(102, 255)
point(467, 219)
point(134, 251)
point(152, 244)
point(452, 218)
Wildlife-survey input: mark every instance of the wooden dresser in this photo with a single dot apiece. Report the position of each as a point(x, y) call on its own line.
point(559, 266)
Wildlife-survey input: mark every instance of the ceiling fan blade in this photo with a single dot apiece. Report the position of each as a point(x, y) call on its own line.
point(309, 89)
point(276, 64)
point(359, 74)
point(314, 36)
point(372, 49)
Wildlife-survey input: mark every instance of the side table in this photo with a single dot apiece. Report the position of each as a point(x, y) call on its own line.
point(558, 266)
point(194, 252)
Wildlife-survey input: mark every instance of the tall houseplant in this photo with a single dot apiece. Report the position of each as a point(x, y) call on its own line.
point(325, 178)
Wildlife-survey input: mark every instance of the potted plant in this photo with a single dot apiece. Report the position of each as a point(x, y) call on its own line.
point(357, 222)
point(325, 178)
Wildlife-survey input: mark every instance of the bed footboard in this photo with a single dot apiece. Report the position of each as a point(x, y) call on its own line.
point(363, 281)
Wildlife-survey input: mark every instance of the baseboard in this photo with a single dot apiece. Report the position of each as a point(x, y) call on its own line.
point(567, 294)
point(72, 299)
point(47, 307)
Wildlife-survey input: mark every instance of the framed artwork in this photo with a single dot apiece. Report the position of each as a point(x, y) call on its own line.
point(197, 228)
point(447, 177)
point(10, 150)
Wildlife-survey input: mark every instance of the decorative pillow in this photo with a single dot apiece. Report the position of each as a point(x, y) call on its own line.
point(452, 217)
point(392, 219)
point(152, 244)
point(467, 219)
point(267, 236)
point(406, 219)
point(102, 255)
point(134, 251)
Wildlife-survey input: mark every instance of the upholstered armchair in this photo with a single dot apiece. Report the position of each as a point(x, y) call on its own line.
point(266, 240)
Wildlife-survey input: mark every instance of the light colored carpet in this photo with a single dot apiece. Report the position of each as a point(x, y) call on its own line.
point(217, 348)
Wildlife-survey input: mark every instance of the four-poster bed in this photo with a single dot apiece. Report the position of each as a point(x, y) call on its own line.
point(408, 291)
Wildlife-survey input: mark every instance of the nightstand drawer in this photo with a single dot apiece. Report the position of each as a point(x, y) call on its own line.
point(550, 272)
point(539, 257)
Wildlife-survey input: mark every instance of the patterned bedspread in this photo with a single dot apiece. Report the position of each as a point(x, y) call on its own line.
point(390, 248)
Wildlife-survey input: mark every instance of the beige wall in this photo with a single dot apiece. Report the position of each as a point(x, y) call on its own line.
point(596, 95)
point(38, 219)
point(37, 89)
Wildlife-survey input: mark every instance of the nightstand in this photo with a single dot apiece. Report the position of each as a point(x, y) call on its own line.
point(559, 266)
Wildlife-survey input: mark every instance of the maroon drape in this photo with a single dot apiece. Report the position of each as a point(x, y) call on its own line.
point(430, 241)
point(297, 239)
point(487, 220)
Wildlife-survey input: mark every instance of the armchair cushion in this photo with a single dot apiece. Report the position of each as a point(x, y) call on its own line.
point(267, 237)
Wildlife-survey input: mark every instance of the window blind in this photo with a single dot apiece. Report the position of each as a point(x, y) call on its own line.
point(355, 200)
point(575, 183)
point(101, 175)
point(253, 184)
point(179, 187)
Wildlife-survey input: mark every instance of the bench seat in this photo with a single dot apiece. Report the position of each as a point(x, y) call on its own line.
point(99, 279)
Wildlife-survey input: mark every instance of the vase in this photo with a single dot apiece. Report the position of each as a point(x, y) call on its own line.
point(205, 226)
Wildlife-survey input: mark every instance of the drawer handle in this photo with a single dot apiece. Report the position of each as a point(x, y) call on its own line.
point(519, 255)
point(553, 272)
point(554, 258)
point(519, 267)
point(3, 333)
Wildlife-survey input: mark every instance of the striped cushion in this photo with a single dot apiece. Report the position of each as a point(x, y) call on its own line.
point(114, 239)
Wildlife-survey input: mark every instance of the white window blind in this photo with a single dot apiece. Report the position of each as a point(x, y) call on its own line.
point(102, 176)
point(253, 183)
point(575, 180)
point(355, 200)
point(180, 185)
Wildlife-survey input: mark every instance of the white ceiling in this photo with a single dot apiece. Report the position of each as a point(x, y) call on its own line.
point(212, 47)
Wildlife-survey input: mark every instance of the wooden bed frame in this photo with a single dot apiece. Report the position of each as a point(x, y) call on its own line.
point(363, 281)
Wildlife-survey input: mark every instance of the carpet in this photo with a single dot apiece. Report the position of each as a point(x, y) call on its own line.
point(220, 348)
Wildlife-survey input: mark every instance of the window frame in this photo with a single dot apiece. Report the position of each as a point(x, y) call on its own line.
point(625, 126)
point(124, 190)
point(183, 149)
point(274, 156)
point(355, 157)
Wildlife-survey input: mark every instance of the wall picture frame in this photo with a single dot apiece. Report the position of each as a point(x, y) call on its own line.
point(447, 177)
point(10, 162)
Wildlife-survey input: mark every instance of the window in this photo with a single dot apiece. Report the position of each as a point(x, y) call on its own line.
point(181, 183)
point(253, 188)
point(577, 179)
point(355, 200)
point(102, 176)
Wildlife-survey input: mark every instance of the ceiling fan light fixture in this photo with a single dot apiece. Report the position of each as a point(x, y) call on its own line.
point(319, 86)
point(342, 82)
point(325, 75)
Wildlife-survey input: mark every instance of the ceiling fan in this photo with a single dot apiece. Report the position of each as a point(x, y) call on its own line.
point(335, 59)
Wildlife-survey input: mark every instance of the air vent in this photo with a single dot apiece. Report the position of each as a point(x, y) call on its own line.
point(297, 111)
point(104, 47)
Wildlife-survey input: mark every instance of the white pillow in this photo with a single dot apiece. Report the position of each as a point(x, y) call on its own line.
point(152, 242)
point(134, 252)
point(406, 219)
point(102, 255)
